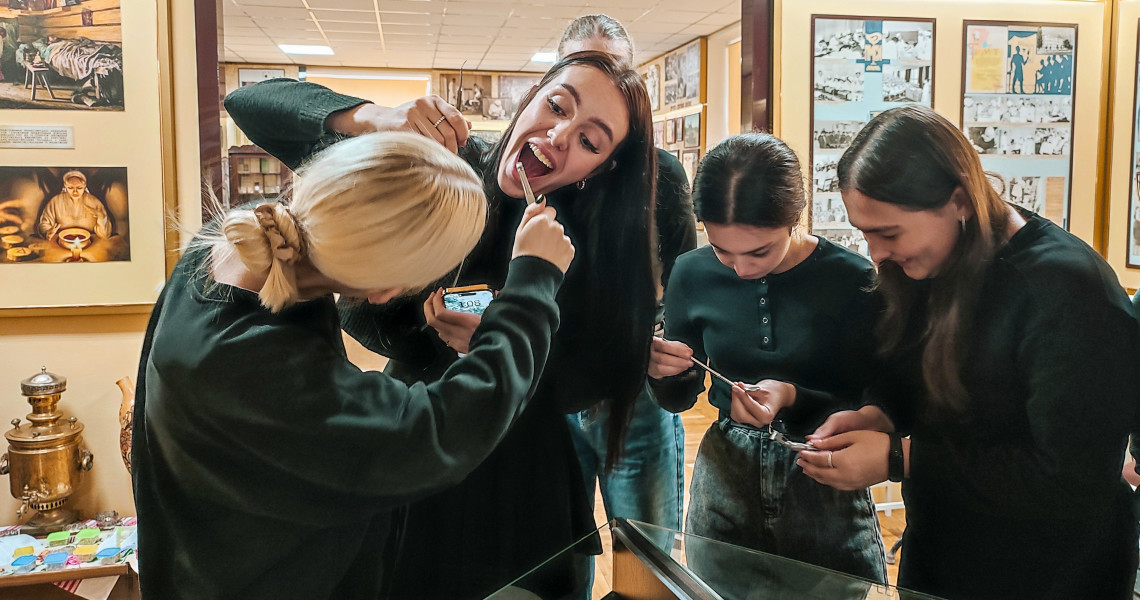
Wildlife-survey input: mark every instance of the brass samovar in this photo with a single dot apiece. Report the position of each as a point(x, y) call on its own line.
point(45, 457)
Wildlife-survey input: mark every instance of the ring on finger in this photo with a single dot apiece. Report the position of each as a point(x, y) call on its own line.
point(438, 121)
point(830, 463)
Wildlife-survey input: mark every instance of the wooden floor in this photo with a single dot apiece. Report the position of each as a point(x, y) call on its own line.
point(696, 421)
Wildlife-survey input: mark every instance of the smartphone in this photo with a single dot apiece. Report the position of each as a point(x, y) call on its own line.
point(469, 299)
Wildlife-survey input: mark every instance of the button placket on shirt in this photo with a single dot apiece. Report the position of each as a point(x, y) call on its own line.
point(764, 308)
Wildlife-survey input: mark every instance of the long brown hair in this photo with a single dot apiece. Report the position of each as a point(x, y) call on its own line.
point(913, 157)
point(614, 276)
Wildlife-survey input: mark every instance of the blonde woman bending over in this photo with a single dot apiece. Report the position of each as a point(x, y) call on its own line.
point(265, 463)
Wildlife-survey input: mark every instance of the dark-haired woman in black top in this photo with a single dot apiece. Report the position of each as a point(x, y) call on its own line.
point(584, 137)
point(1010, 360)
point(769, 303)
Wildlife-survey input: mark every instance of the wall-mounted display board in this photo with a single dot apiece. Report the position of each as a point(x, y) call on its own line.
point(1132, 222)
point(677, 82)
point(798, 96)
point(83, 224)
point(483, 95)
point(1122, 210)
point(1017, 109)
point(860, 67)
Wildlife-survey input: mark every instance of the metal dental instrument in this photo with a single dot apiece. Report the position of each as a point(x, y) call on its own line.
point(526, 185)
point(748, 387)
point(780, 438)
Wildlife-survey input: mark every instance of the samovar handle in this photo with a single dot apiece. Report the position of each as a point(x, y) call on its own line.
point(86, 460)
point(4, 464)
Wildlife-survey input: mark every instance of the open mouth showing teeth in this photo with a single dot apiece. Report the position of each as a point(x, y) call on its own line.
point(534, 162)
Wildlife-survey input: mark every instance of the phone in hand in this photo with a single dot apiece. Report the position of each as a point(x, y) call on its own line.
point(469, 299)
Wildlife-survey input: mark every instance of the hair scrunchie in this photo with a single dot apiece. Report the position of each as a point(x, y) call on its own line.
point(283, 251)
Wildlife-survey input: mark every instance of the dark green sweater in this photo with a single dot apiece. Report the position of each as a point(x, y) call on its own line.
point(808, 326)
point(1021, 495)
point(266, 464)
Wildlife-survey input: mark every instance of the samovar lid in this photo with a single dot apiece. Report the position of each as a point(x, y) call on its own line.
point(43, 384)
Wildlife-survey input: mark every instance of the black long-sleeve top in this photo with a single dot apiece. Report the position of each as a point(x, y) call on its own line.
point(1021, 496)
point(809, 326)
point(266, 465)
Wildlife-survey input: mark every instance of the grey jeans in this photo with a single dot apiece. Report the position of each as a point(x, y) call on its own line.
point(748, 491)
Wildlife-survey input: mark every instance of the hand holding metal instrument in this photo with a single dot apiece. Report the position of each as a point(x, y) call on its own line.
point(748, 387)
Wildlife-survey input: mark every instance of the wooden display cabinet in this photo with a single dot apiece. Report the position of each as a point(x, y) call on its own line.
point(255, 175)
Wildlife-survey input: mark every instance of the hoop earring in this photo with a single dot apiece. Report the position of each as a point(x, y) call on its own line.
point(581, 185)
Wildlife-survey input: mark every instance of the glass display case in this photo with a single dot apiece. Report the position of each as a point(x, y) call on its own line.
point(653, 563)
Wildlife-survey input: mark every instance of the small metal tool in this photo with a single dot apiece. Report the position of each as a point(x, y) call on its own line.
point(526, 185)
point(748, 387)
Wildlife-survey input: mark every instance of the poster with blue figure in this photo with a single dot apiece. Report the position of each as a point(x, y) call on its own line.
point(1017, 109)
point(861, 66)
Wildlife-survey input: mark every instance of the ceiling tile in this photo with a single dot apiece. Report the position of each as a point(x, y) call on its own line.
point(364, 5)
point(495, 34)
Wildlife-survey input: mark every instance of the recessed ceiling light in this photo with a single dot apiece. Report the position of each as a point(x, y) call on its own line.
point(544, 57)
point(310, 50)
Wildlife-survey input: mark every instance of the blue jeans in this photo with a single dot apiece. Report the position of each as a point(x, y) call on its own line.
point(748, 491)
point(647, 483)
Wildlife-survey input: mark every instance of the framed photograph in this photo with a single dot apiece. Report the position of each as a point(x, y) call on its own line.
point(691, 129)
point(513, 88)
point(659, 133)
point(67, 215)
point(861, 66)
point(498, 109)
point(671, 131)
point(60, 59)
point(689, 161)
point(1017, 109)
point(1133, 221)
point(465, 91)
point(682, 80)
point(652, 77)
point(252, 76)
point(86, 226)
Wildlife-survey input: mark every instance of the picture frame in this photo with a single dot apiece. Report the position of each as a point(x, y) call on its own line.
point(651, 75)
point(124, 264)
point(683, 76)
point(1132, 235)
point(1023, 135)
point(861, 65)
point(671, 131)
point(85, 69)
point(689, 161)
point(659, 134)
point(691, 130)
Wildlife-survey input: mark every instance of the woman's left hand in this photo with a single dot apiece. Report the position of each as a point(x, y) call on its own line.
point(848, 461)
point(758, 406)
point(453, 327)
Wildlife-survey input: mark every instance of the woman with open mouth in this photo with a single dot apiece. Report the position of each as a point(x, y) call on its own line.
point(583, 137)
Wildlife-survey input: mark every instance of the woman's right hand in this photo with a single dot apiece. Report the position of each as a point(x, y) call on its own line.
point(869, 417)
point(540, 234)
point(668, 358)
point(418, 116)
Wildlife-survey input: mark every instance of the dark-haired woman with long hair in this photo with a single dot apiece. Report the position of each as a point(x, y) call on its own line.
point(583, 135)
point(767, 302)
point(1009, 359)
